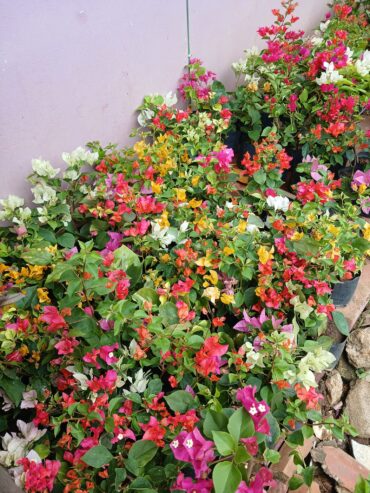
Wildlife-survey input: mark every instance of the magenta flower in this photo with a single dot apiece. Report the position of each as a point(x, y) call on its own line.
point(256, 409)
point(251, 445)
point(194, 448)
point(263, 478)
point(361, 178)
point(106, 353)
point(190, 486)
point(248, 323)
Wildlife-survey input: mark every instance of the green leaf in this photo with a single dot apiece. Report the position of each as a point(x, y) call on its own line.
point(226, 477)
point(97, 456)
point(295, 482)
point(13, 388)
point(295, 438)
point(168, 312)
point(272, 456)
point(142, 452)
point(303, 96)
point(240, 424)
point(362, 486)
point(42, 450)
point(146, 294)
point(260, 176)
point(180, 401)
point(121, 475)
point(67, 240)
point(308, 474)
point(214, 421)
point(127, 260)
point(224, 442)
point(37, 256)
point(341, 323)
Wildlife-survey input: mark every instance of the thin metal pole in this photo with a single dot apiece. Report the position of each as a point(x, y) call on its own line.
point(188, 29)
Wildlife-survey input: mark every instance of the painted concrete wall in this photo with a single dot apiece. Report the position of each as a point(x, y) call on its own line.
point(73, 71)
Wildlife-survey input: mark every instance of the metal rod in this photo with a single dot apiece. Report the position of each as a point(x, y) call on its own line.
point(188, 29)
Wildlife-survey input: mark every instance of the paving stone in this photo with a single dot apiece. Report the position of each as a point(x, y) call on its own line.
point(340, 466)
point(361, 453)
point(360, 299)
point(286, 465)
point(334, 387)
point(358, 348)
point(357, 407)
point(7, 484)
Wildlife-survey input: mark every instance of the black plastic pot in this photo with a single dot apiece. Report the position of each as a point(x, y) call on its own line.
point(343, 291)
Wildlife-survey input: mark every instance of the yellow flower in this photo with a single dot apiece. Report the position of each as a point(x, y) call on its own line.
point(139, 148)
point(252, 86)
point(366, 231)
point(195, 203)
point(212, 294)
point(163, 220)
point(156, 187)
point(267, 86)
point(362, 188)
point(242, 226)
point(24, 350)
point(52, 249)
point(333, 230)
point(204, 261)
point(258, 291)
point(165, 258)
point(317, 235)
point(180, 194)
point(36, 271)
point(185, 157)
point(202, 223)
point(297, 236)
point(227, 299)
point(228, 251)
point(311, 217)
point(42, 294)
point(212, 277)
point(195, 180)
point(264, 255)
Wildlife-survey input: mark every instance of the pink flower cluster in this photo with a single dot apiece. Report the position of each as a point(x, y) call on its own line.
point(194, 448)
point(256, 409)
point(39, 477)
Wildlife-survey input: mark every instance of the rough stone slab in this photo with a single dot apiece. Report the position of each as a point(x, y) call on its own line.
point(360, 299)
point(357, 407)
point(343, 468)
point(7, 484)
point(358, 348)
point(280, 487)
point(286, 466)
point(361, 453)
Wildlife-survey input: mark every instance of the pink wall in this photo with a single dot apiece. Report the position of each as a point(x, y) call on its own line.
point(73, 71)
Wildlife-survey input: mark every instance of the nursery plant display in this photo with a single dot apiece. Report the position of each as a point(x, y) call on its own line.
point(160, 327)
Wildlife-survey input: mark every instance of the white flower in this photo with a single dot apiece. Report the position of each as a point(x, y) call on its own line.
point(29, 399)
point(324, 25)
point(144, 116)
point(44, 168)
point(349, 54)
point(140, 383)
point(79, 156)
point(363, 65)
point(250, 52)
point(44, 194)
point(229, 205)
point(8, 404)
point(71, 174)
point(165, 236)
point(13, 449)
point(278, 203)
point(170, 99)
point(330, 75)
point(252, 228)
point(81, 378)
point(307, 378)
point(316, 40)
point(30, 432)
point(12, 202)
point(184, 226)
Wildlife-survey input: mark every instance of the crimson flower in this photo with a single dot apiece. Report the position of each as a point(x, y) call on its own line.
point(208, 358)
point(53, 318)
